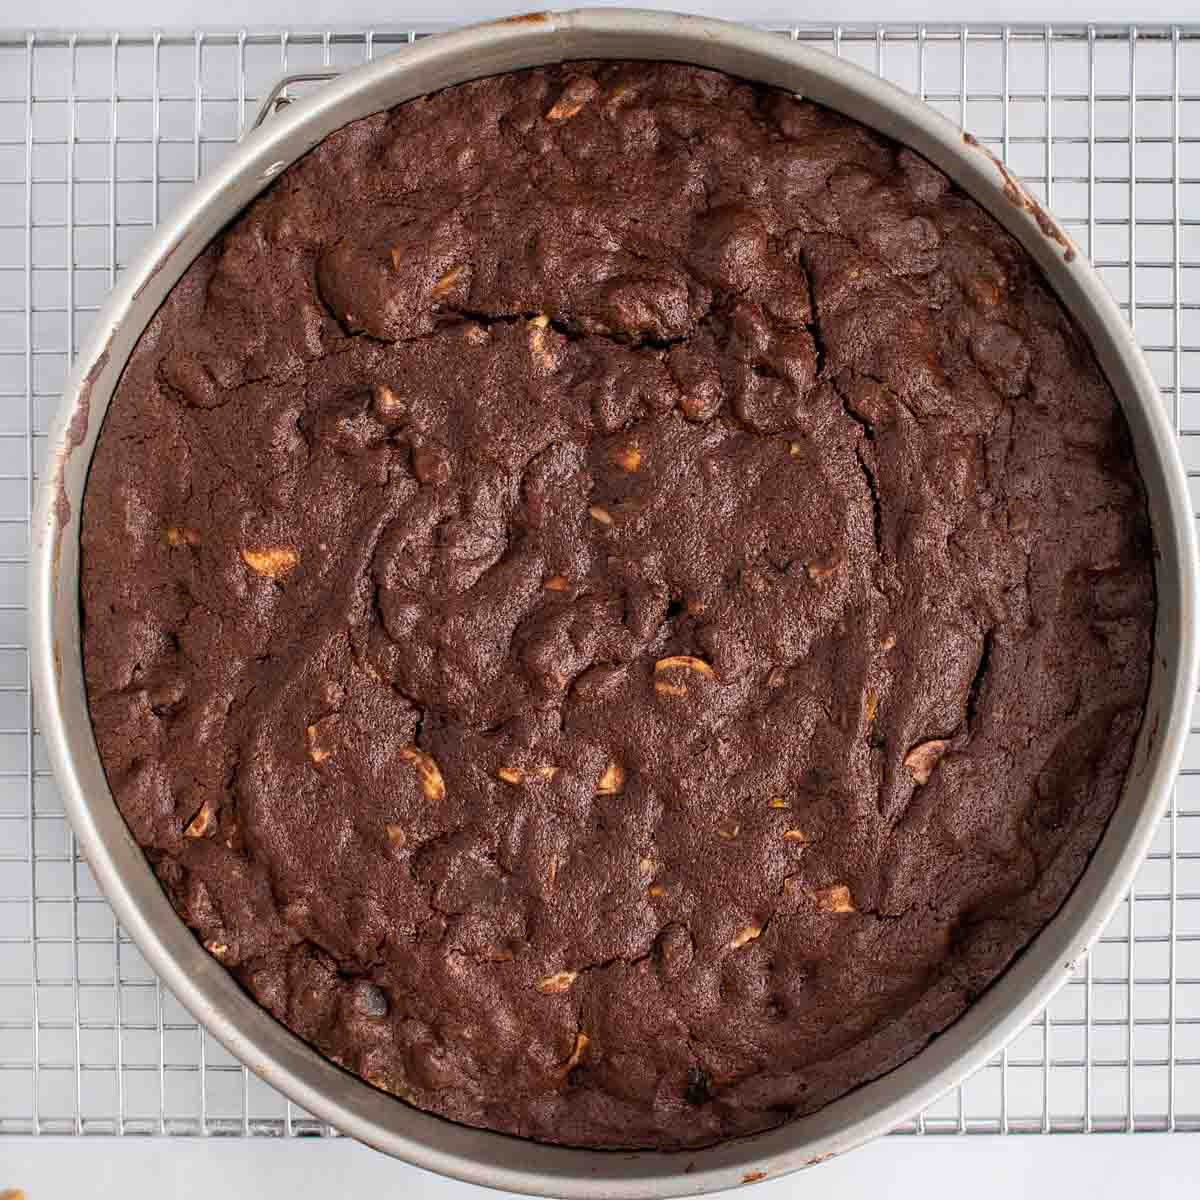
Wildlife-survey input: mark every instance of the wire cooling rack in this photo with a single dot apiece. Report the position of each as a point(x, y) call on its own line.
point(101, 134)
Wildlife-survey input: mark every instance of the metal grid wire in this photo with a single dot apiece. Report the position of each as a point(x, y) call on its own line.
point(100, 134)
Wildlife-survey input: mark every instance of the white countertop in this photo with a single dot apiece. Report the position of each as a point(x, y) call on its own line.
point(174, 14)
point(1100, 1167)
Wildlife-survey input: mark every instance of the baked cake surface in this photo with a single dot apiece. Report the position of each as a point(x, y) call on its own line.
point(615, 602)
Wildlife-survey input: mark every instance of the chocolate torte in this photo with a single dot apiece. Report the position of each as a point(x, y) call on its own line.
point(616, 602)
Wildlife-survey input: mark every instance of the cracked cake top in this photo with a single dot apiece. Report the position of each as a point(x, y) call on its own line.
point(616, 602)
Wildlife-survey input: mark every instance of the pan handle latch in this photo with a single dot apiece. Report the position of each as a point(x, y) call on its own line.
point(277, 98)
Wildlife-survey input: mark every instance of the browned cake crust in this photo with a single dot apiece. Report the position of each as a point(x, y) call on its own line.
point(615, 602)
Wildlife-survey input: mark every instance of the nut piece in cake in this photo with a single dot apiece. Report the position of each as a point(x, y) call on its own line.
point(320, 742)
point(746, 934)
point(678, 667)
point(519, 775)
point(612, 781)
point(582, 1042)
point(442, 288)
point(628, 457)
point(428, 773)
point(820, 571)
point(835, 899)
point(201, 823)
point(389, 408)
point(557, 983)
point(575, 95)
point(272, 561)
point(922, 759)
point(542, 354)
point(176, 536)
